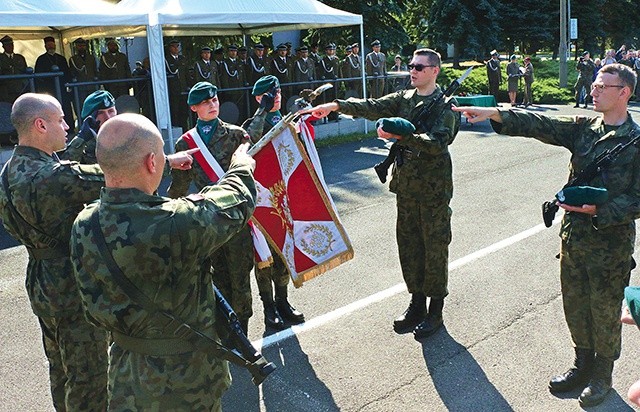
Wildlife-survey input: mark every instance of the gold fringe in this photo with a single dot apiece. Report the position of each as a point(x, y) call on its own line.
point(262, 265)
point(323, 267)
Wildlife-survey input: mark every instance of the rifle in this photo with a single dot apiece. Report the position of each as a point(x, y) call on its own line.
point(255, 363)
point(601, 162)
point(421, 121)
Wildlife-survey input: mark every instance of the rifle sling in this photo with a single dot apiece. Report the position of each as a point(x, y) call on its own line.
point(195, 338)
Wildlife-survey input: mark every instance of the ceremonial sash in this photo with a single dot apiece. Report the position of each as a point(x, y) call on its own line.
point(214, 172)
point(294, 208)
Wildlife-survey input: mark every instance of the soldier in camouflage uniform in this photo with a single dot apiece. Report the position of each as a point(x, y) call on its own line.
point(38, 204)
point(597, 241)
point(98, 107)
point(585, 68)
point(232, 263)
point(162, 246)
point(275, 276)
point(423, 184)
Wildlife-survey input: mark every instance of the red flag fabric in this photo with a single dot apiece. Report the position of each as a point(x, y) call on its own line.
point(295, 211)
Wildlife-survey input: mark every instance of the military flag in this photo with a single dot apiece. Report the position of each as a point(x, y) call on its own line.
point(294, 208)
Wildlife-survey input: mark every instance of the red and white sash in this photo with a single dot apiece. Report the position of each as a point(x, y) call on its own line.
point(214, 172)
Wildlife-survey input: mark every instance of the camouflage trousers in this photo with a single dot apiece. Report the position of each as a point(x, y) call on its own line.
point(193, 381)
point(276, 274)
point(423, 234)
point(593, 282)
point(78, 362)
point(232, 265)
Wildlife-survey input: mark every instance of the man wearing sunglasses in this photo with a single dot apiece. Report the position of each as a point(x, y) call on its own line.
point(422, 182)
point(597, 240)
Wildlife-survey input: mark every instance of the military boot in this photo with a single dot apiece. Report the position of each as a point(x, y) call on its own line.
point(244, 324)
point(284, 307)
point(575, 377)
point(600, 383)
point(414, 314)
point(272, 318)
point(433, 322)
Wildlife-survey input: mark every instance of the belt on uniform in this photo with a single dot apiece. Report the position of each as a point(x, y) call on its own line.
point(153, 347)
point(408, 154)
point(49, 253)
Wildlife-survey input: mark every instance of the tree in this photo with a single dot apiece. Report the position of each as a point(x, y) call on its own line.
point(532, 25)
point(471, 26)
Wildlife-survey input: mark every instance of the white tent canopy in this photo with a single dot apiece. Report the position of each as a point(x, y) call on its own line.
point(68, 19)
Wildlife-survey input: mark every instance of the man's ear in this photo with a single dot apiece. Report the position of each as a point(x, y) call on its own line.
point(150, 162)
point(40, 125)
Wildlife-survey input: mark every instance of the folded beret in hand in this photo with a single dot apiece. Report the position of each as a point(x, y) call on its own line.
point(396, 125)
point(582, 195)
point(632, 296)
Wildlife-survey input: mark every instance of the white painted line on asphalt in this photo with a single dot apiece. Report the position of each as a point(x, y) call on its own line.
point(394, 290)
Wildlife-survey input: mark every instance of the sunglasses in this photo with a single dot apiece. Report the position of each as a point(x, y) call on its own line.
point(419, 67)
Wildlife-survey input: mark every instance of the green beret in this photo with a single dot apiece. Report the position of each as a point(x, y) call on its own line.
point(201, 91)
point(98, 100)
point(632, 296)
point(396, 125)
point(582, 195)
point(264, 84)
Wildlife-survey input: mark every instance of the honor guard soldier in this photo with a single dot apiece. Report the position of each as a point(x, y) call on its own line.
point(258, 67)
point(232, 76)
point(376, 66)
point(423, 183)
point(205, 70)
point(232, 263)
point(52, 62)
point(314, 55)
point(11, 63)
point(274, 278)
point(114, 65)
point(329, 70)
point(304, 69)
point(176, 65)
point(351, 67)
point(494, 74)
point(83, 69)
point(281, 68)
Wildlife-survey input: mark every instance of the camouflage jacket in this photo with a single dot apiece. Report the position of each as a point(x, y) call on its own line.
point(586, 138)
point(585, 69)
point(48, 194)
point(427, 175)
point(223, 143)
point(161, 245)
point(80, 150)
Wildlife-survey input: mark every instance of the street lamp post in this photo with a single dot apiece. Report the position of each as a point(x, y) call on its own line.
point(563, 43)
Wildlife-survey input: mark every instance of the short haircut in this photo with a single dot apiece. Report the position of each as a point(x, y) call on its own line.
point(625, 73)
point(124, 141)
point(432, 55)
point(29, 107)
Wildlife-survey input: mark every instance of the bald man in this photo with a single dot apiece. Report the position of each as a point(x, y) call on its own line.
point(160, 245)
point(40, 197)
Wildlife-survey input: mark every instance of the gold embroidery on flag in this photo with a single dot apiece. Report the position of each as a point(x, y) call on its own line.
point(317, 241)
point(280, 203)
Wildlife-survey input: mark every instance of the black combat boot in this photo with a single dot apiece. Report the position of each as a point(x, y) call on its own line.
point(414, 314)
point(285, 309)
point(272, 318)
point(244, 323)
point(576, 377)
point(600, 383)
point(433, 322)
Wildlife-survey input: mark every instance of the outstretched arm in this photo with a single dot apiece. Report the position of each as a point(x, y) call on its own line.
point(479, 114)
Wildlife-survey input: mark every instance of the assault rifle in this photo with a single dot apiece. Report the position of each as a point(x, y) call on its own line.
point(254, 362)
point(601, 162)
point(422, 122)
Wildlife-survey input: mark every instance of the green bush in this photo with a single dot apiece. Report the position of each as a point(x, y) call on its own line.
point(545, 87)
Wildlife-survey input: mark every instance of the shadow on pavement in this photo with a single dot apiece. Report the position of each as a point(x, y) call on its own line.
point(292, 387)
point(458, 378)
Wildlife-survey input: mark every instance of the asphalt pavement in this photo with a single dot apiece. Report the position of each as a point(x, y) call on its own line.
point(504, 334)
